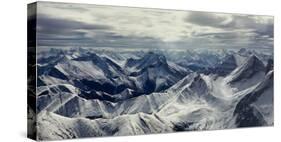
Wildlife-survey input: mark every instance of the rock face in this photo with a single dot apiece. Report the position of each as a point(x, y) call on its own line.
point(247, 110)
point(84, 93)
point(269, 65)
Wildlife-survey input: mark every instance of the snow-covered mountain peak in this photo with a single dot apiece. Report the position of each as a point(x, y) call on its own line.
point(198, 82)
point(242, 51)
point(193, 82)
point(252, 66)
point(89, 57)
point(254, 62)
point(150, 59)
point(185, 82)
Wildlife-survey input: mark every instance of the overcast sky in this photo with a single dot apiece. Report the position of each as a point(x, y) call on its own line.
point(107, 26)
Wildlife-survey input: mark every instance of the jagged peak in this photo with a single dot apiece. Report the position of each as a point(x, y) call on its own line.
point(149, 59)
point(184, 82)
point(254, 61)
point(245, 52)
point(151, 56)
point(194, 81)
point(198, 83)
point(251, 66)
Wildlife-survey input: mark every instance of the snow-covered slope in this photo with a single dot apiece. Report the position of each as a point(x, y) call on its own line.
point(154, 73)
point(256, 107)
point(91, 73)
point(55, 127)
point(247, 74)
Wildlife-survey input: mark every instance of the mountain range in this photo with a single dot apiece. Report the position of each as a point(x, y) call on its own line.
point(85, 92)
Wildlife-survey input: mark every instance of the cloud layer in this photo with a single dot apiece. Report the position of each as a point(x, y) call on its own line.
point(107, 26)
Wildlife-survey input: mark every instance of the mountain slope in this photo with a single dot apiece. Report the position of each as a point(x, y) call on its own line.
point(256, 107)
point(247, 74)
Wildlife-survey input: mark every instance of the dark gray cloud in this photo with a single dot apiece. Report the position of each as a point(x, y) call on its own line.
point(205, 19)
point(58, 28)
point(238, 30)
point(52, 31)
point(61, 25)
point(231, 22)
point(65, 32)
